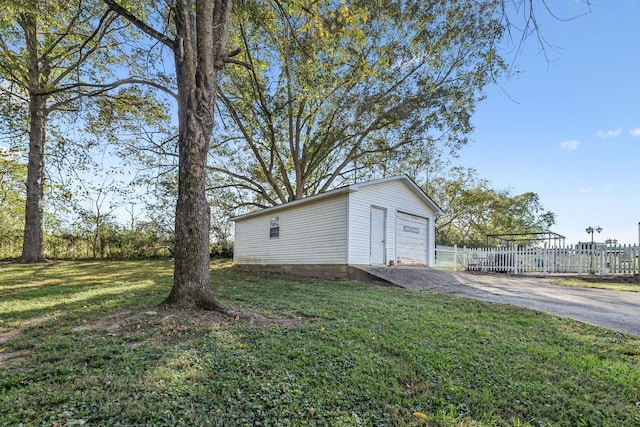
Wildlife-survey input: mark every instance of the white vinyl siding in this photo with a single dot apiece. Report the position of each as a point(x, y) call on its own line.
point(335, 227)
point(395, 196)
point(312, 233)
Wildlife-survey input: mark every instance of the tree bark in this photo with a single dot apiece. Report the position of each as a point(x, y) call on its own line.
point(33, 245)
point(199, 60)
point(33, 241)
point(199, 53)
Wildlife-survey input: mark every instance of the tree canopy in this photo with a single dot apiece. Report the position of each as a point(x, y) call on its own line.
point(473, 209)
point(53, 54)
point(343, 90)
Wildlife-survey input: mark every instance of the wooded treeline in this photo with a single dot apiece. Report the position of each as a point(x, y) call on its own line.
point(77, 230)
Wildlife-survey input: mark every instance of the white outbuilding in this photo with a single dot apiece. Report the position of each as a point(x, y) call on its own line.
point(388, 221)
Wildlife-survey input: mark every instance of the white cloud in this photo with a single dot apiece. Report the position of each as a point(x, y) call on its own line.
point(634, 132)
point(569, 145)
point(610, 133)
point(585, 190)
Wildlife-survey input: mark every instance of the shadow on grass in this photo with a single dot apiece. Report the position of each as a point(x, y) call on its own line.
point(77, 273)
point(373, 356)
point(363, 369)
point(33, 294)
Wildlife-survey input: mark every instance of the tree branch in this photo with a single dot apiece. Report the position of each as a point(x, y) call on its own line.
point(98, 35)
point(254, 185)
point(65, 33)
point(247, 137)
point(227, 58)
point(100, 89)
point(142, 26)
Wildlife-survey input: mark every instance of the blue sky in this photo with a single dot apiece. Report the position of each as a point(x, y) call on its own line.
point(568, 127)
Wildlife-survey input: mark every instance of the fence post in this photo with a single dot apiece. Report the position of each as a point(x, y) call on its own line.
point(465, 256)
point(515, 259)
point(628, 255)
point(580, 252)
point(455, 257)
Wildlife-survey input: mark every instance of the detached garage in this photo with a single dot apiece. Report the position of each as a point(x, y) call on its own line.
point(388, 221)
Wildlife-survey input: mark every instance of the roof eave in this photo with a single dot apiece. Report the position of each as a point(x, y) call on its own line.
point(348, 189)
point(287, 205)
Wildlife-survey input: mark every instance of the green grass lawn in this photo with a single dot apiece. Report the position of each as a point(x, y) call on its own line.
point(611, 283)
point(84, 343)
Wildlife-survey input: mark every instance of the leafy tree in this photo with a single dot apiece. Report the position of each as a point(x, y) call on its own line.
point(52, 55)
point(343, 90)
point(196, 36)
point(140, 134)
point(473, 209)
point(95, 211)
point(321, 51)
point(12, 175)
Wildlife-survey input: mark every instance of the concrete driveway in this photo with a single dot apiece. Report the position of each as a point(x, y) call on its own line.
point(616, 310)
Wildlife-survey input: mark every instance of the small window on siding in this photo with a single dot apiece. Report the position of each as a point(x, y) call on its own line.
point(274, 227)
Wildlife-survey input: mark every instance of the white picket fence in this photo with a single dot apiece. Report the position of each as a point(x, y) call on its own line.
point(601, 259)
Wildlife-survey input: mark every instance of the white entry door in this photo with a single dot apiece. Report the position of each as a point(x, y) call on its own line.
point(377, 232)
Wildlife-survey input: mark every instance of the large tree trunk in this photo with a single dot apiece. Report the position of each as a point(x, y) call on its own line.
point(33, 244)
point(191, 278)
point(199, 56)
point(199, 52)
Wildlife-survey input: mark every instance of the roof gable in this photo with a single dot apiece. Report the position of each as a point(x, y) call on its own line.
point(409, 183)
point(348, 189)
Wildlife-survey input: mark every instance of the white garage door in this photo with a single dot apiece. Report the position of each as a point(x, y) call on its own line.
point(411, 240)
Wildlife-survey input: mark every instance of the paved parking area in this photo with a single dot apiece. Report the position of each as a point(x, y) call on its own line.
point(616, 310)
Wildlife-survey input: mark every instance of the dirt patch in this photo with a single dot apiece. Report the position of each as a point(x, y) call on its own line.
point(6, 336)
point(170, 326)
point(109, 322)
point(632, 279)
point(164, 326)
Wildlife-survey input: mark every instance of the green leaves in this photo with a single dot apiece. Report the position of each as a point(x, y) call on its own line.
point(53, 54)
point(474, 209)
point(349, 89)
point(12, 176)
